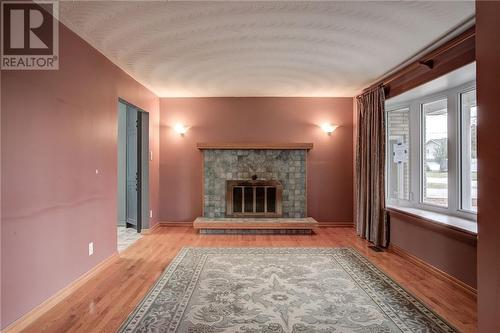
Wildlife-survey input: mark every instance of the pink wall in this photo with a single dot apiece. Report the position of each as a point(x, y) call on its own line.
point(488, 83)
point(254, 119)
point(447, 251)
point(58, 127)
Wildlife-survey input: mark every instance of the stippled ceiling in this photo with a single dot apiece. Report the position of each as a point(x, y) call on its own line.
point(183, 49)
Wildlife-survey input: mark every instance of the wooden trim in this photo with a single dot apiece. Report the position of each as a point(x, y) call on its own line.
point(336, 224)
point(428, 59)
point(471, 291)
point(150, 230)
point(452, 55)
point(446, 229)
point(175, 224)
point(256, 145)
point(26, 320)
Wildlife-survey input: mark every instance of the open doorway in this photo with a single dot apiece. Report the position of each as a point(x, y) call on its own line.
point(133, 174)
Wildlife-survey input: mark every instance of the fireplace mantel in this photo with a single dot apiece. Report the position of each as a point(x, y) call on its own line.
point(256, 145)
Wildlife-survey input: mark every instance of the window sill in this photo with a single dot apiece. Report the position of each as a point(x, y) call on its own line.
point(443, 220)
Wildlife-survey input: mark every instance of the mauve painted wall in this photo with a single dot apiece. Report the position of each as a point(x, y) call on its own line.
point(488, 85)
point(58, 127)
point(255, 119)
point(451, 255)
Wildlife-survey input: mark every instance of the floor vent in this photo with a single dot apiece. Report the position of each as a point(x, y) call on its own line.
point(376, 248)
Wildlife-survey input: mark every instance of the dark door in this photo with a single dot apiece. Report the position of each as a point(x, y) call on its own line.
point(133, 173)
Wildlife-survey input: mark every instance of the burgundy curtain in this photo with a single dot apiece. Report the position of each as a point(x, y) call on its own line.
point(371, 221)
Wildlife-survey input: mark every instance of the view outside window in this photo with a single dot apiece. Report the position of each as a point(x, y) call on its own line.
point(469, 150)
point(398, 166)
point(435, 153)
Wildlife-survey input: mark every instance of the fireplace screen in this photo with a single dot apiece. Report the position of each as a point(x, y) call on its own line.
point(253, 198)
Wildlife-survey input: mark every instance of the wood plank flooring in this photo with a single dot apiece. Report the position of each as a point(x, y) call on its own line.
point(104, 302)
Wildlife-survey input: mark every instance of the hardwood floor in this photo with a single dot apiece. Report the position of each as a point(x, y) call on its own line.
point(104, 302)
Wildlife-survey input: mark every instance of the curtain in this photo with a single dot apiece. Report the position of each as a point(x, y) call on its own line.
point(371, 221)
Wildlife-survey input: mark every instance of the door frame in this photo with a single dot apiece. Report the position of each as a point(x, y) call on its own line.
point(140, 185)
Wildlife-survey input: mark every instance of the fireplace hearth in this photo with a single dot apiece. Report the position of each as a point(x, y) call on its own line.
point(254, 198)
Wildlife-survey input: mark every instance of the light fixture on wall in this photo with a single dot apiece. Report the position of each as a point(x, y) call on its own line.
point(180, 129)
point(328, 128)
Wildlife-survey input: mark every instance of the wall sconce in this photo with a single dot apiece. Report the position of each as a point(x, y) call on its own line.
point(328, 128)
point(180, 129)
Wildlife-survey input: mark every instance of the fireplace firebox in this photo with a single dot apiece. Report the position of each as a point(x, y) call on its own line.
point(254, 198)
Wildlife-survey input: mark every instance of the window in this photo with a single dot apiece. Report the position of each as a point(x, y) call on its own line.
point(435, 153)
point(468, 153)
point(431, 148)
point(398, 167)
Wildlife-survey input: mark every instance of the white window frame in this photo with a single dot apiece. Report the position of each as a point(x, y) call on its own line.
point(460, 148)
point(421, 146)
point(416, 149)
point(388, 157)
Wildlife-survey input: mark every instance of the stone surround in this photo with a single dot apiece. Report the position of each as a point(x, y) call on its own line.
point(287, 165)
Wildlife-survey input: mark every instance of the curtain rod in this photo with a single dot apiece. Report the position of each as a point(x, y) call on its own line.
point(424, 57)
point(370, 89)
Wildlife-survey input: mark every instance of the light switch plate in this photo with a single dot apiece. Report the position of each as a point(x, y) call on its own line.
point(91, 248)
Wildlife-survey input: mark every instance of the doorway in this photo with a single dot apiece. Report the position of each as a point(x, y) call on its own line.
point(133, 173)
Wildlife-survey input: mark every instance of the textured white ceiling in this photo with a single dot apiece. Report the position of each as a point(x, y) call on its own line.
point(187, 49)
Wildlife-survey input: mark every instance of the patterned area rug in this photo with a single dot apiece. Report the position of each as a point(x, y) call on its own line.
point(253, 290)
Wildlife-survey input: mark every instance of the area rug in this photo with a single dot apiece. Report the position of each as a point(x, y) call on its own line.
point(253, 290)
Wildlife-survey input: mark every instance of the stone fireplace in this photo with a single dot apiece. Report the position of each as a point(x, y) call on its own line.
point(279, 174)
point(255, 189)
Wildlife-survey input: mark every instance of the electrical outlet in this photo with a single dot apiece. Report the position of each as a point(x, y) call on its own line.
point(91, 248)
point(151, 214)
